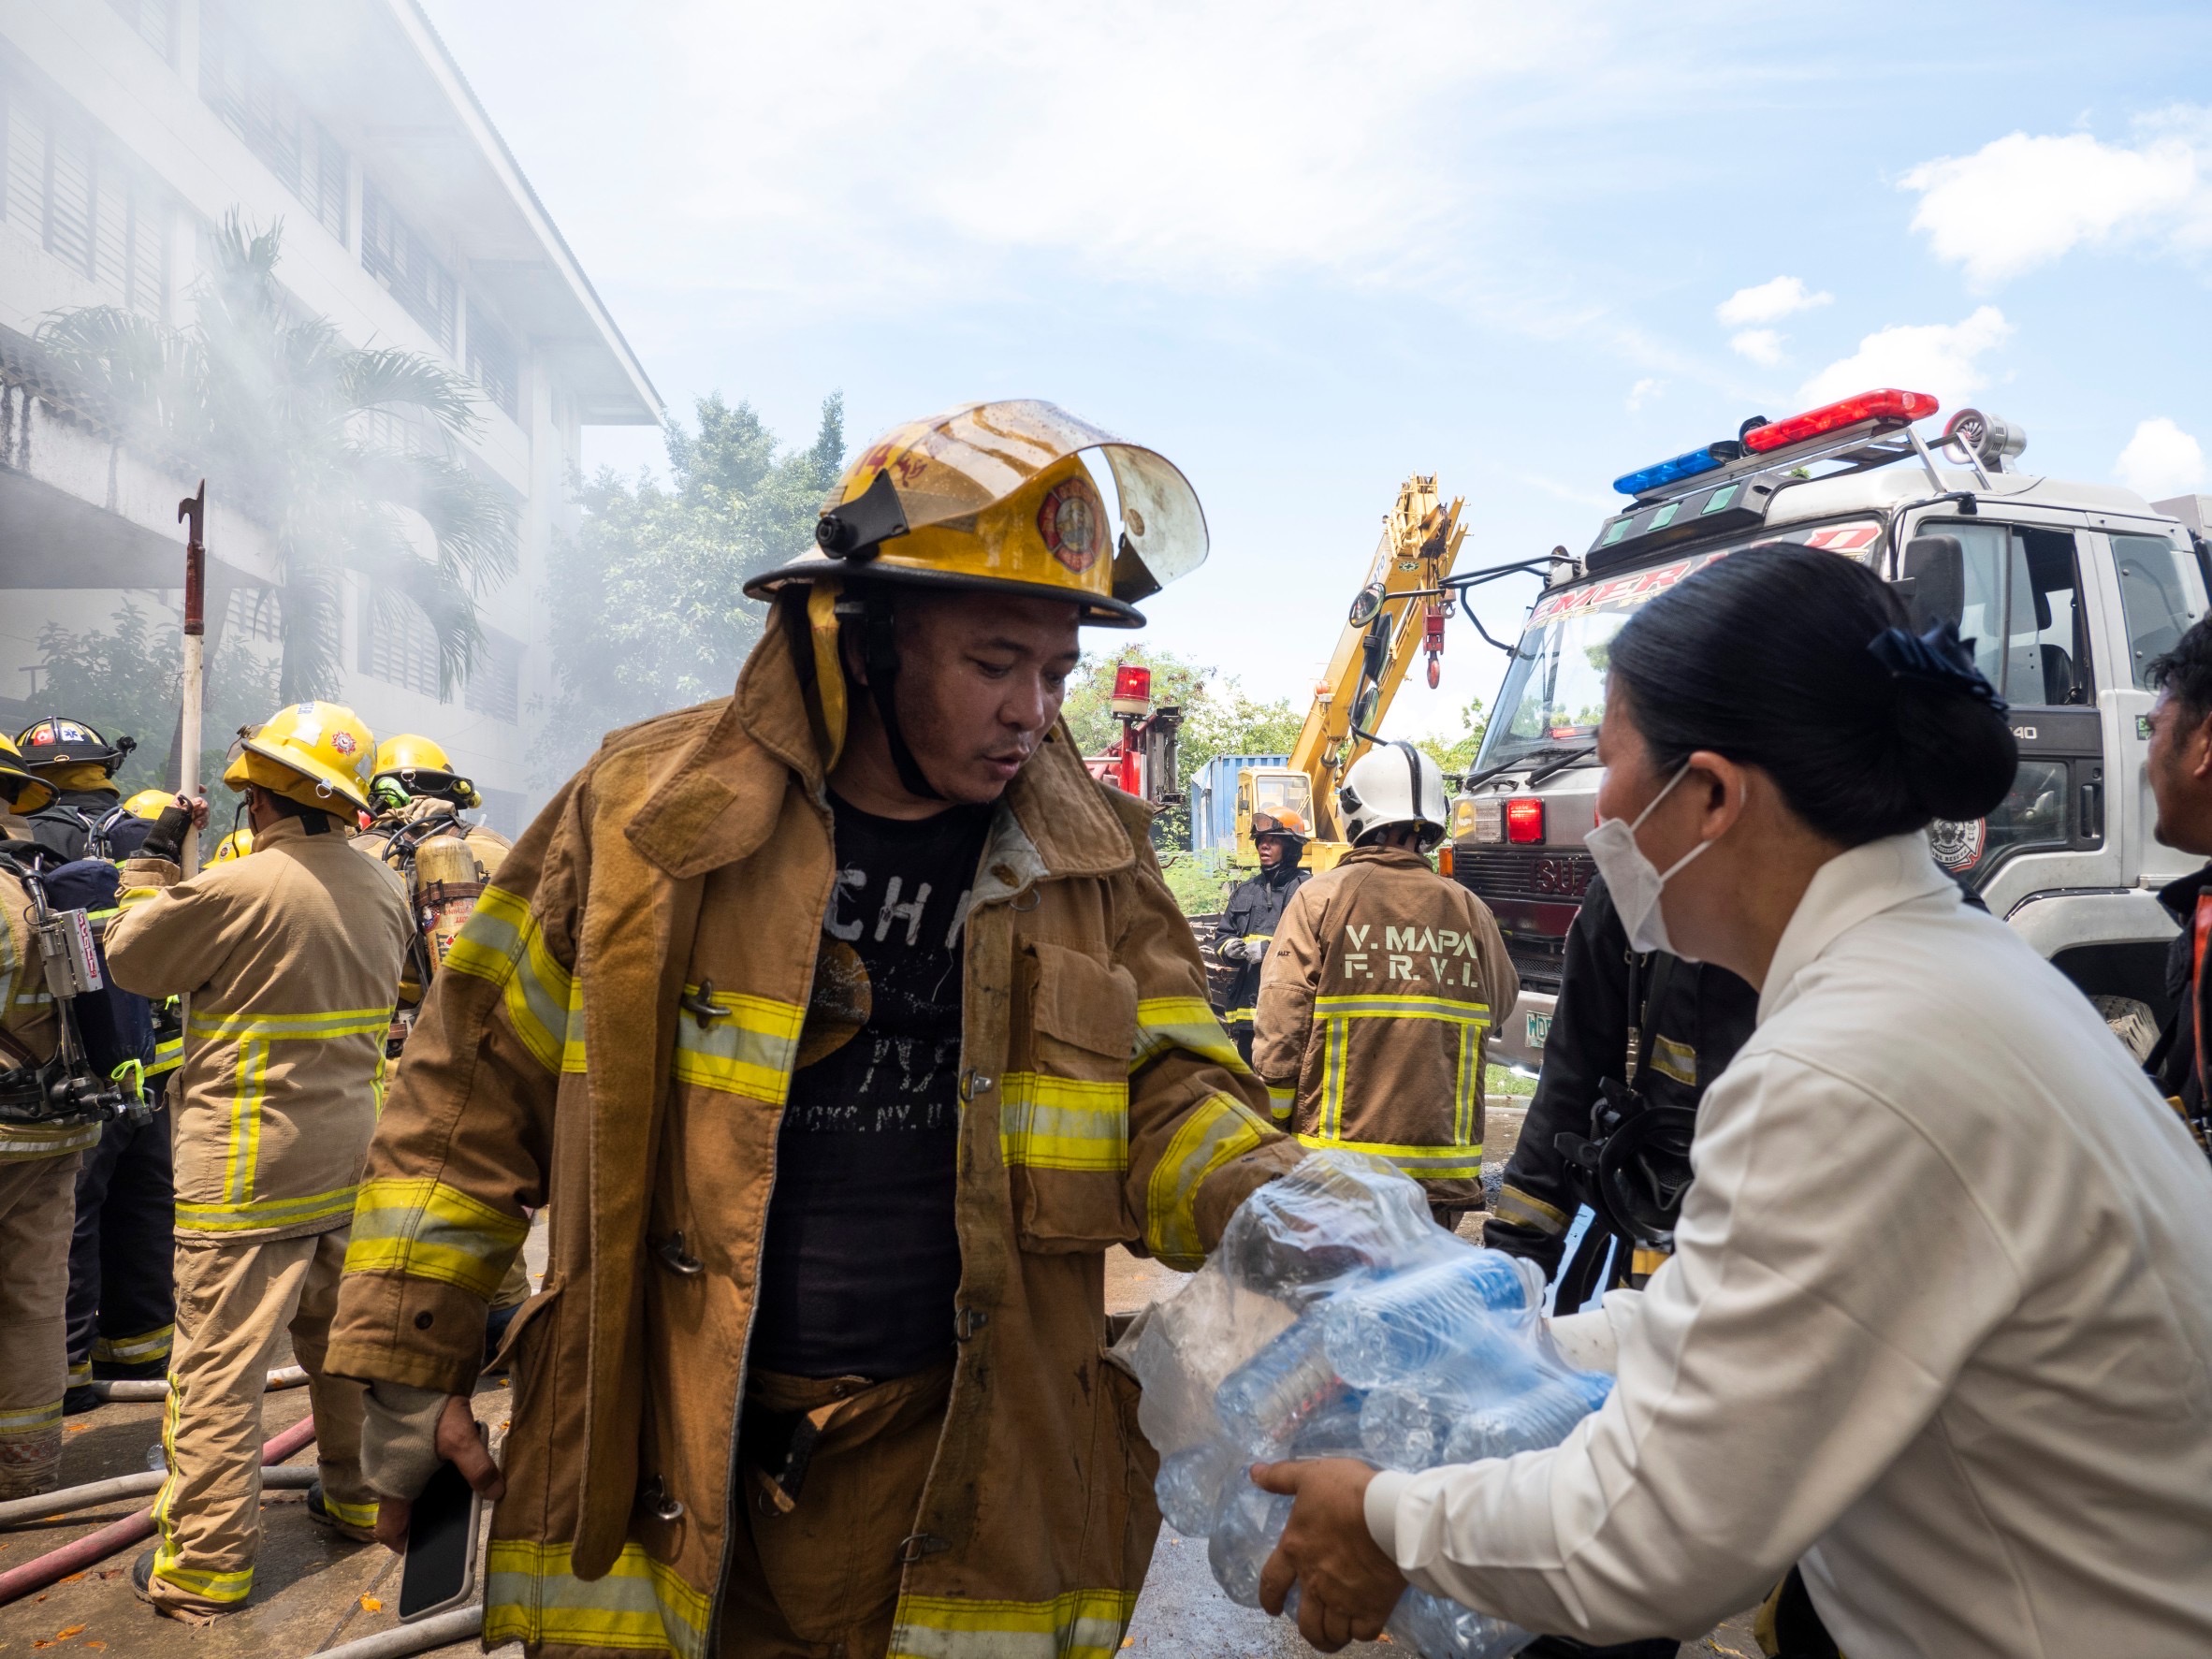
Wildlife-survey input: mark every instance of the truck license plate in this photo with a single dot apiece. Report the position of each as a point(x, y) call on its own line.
point(1539, 1027)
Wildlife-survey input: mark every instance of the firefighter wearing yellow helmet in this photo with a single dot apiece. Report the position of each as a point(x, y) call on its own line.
point(235, 845)
point(22, 791)
point(877, 1002)
point(289, 960)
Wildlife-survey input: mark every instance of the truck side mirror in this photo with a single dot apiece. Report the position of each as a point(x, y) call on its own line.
point(1933, 586)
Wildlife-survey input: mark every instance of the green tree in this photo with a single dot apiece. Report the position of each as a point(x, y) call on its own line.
point(1458, 757)
point(125, 681)
point(344, 454)
point(649, 612)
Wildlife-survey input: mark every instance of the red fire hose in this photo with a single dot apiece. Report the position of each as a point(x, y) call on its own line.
point(37, 1573)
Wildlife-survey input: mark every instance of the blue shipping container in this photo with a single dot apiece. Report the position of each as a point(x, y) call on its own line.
point(1213, 798)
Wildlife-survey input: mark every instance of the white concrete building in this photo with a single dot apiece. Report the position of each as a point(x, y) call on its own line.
point(128, 128)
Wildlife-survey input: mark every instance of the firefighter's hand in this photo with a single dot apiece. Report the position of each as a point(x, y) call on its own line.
point(1346, 1585)
point(1229, 950)
point(458, 1444)
point(199, 808)
point(165, 839)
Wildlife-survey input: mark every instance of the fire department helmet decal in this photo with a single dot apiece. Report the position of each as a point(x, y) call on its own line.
point(1959, 847)
point(343, 742)
point(1073, 521)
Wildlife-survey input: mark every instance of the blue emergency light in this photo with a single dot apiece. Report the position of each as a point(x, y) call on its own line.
point(1682, 465)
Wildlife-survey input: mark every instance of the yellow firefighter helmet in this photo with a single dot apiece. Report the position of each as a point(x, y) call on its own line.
point(149, 804)
point(235, 845)
point(315, 753)
point(997, 496)
point(408, 765)
point(22, 788)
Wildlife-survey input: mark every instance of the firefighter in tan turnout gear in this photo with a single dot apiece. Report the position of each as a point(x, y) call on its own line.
point(39, 1163)
point(1379, 993)
point(845, 1023)
point(288, 961)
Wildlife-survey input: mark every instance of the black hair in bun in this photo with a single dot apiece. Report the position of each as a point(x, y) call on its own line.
point(1798, 662)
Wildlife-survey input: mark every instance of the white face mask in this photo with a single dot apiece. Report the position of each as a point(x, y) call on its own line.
point(1632, 879)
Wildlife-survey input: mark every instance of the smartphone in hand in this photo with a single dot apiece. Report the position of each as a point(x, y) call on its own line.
point(438, 1572)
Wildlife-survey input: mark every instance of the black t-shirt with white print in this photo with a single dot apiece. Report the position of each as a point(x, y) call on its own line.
point(862, 1262)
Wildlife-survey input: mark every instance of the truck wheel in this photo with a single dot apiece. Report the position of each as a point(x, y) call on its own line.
point(2132, 1022)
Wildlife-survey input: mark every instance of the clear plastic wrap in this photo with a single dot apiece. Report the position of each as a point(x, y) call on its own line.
point(1337, 1319)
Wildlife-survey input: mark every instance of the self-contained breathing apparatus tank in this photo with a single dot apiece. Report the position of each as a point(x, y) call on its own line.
point(68, 1089)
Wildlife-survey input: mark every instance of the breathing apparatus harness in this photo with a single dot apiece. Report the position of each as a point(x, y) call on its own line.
point(68, 1089)
point(1635, 1159)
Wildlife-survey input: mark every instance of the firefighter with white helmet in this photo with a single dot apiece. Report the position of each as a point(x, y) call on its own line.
point(288, 959)
point(1249, 920)
point(1381, 987)
point(845, 1023)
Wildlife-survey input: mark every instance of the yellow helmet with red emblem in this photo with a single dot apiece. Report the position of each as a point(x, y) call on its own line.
point(998, 496)
point(315, 753)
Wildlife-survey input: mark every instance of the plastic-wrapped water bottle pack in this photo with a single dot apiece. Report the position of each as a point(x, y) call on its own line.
point(1337, 1319)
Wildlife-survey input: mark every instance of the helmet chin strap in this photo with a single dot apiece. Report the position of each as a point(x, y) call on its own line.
point(879, 652)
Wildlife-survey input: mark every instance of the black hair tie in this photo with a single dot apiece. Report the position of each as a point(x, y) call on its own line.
point(1939, 656)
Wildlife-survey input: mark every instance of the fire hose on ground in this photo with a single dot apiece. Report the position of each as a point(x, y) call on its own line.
point(419, 1637)
point(285, 1376)
point(97, 1546)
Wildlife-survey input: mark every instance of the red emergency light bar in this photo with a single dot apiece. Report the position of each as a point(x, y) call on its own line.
point(1524, 820)
point(1833, 417)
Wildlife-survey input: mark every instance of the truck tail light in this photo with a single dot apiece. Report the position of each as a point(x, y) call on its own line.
point(1524, 821)
point(1444, 859)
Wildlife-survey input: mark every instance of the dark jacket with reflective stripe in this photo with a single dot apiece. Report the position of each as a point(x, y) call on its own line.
point(1701, 1015)
point(1255, 911)
point(67, 825)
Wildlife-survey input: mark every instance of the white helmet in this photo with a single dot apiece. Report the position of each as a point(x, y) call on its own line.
point(1393, 783)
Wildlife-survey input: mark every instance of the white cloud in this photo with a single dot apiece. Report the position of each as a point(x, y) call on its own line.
point(1642, 392)
point(1944, 359)
point(2160, 459)
point(2019, 201)
point(1768, 302)
point(1763, 346)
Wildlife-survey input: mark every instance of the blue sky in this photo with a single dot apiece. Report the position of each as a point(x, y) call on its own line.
point(1305, 249)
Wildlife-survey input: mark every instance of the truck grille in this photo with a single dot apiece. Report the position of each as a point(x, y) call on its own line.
point(1533, 894)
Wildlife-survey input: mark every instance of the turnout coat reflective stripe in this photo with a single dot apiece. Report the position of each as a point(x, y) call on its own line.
point(614, 1034)
point(1375, 1005)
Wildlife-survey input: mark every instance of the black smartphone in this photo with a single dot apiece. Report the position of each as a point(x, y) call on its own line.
point(440, 1569)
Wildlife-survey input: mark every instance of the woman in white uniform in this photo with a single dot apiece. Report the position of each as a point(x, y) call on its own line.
point(1937, 1327)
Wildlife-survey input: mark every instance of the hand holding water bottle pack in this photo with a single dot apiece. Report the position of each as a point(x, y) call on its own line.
point(1338, 1320)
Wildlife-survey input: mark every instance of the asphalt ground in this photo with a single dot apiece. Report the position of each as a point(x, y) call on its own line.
point(314, 1589)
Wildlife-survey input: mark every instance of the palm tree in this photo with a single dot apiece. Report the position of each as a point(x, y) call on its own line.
point(345, 455)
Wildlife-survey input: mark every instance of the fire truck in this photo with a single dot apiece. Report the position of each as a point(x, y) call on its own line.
point(1141, 761)
point(2068, 591)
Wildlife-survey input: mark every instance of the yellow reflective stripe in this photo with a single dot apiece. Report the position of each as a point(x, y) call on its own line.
point(299, 1027)
point(243, 1151)
point(1467, 1086)
point(79, 1372)
point(1334, 1038)
point(501, 943)
point(571, 1046)
point(427, 1229)
point(1281, 1103)
point(167, 1055)
point(1435, 1163)
point(258, 1213)
point(1187, 1023)
point(1061, 1123)
point(29, 1140)
point(30, 1420)
point(749, 1049)
point(352, 1514)
point(135, 1350)
point(1074, 1625)
point(531, 1597)
point(1218, 1129)
point(1524, 1209)
point(1375, 1006)
point(207, 1586)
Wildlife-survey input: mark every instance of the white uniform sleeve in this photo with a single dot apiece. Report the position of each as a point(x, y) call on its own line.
point(1831, 1277)
point(1592, 1341)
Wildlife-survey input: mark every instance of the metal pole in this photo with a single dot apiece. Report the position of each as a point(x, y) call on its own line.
point(192, 509)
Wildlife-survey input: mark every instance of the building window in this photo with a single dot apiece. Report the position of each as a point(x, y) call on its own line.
point(154, 22)
point(397, 257)
point(64, 186)
point(254, 614)
point(495, 683)
point(398, 644)
point(491, 362)
point(253, 102)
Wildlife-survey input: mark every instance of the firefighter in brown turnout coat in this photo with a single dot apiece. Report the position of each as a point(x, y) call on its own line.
point(1379, 994)
point(843, 1025)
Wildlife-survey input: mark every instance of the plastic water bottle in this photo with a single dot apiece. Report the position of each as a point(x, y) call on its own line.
point(1244, 1534)
point(1189, 1485)
point(1404, 1427)
point(1428, 1319)
point(1262, 1402)
point(1336, 1216)
point(1528, 1421)
point(1332, 1430)
point(1442, 1629)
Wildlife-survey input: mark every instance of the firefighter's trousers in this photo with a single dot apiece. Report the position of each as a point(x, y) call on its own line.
point(37, 1197)
point(233, 1300)
point(120, 1302)
point(816, 1576)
